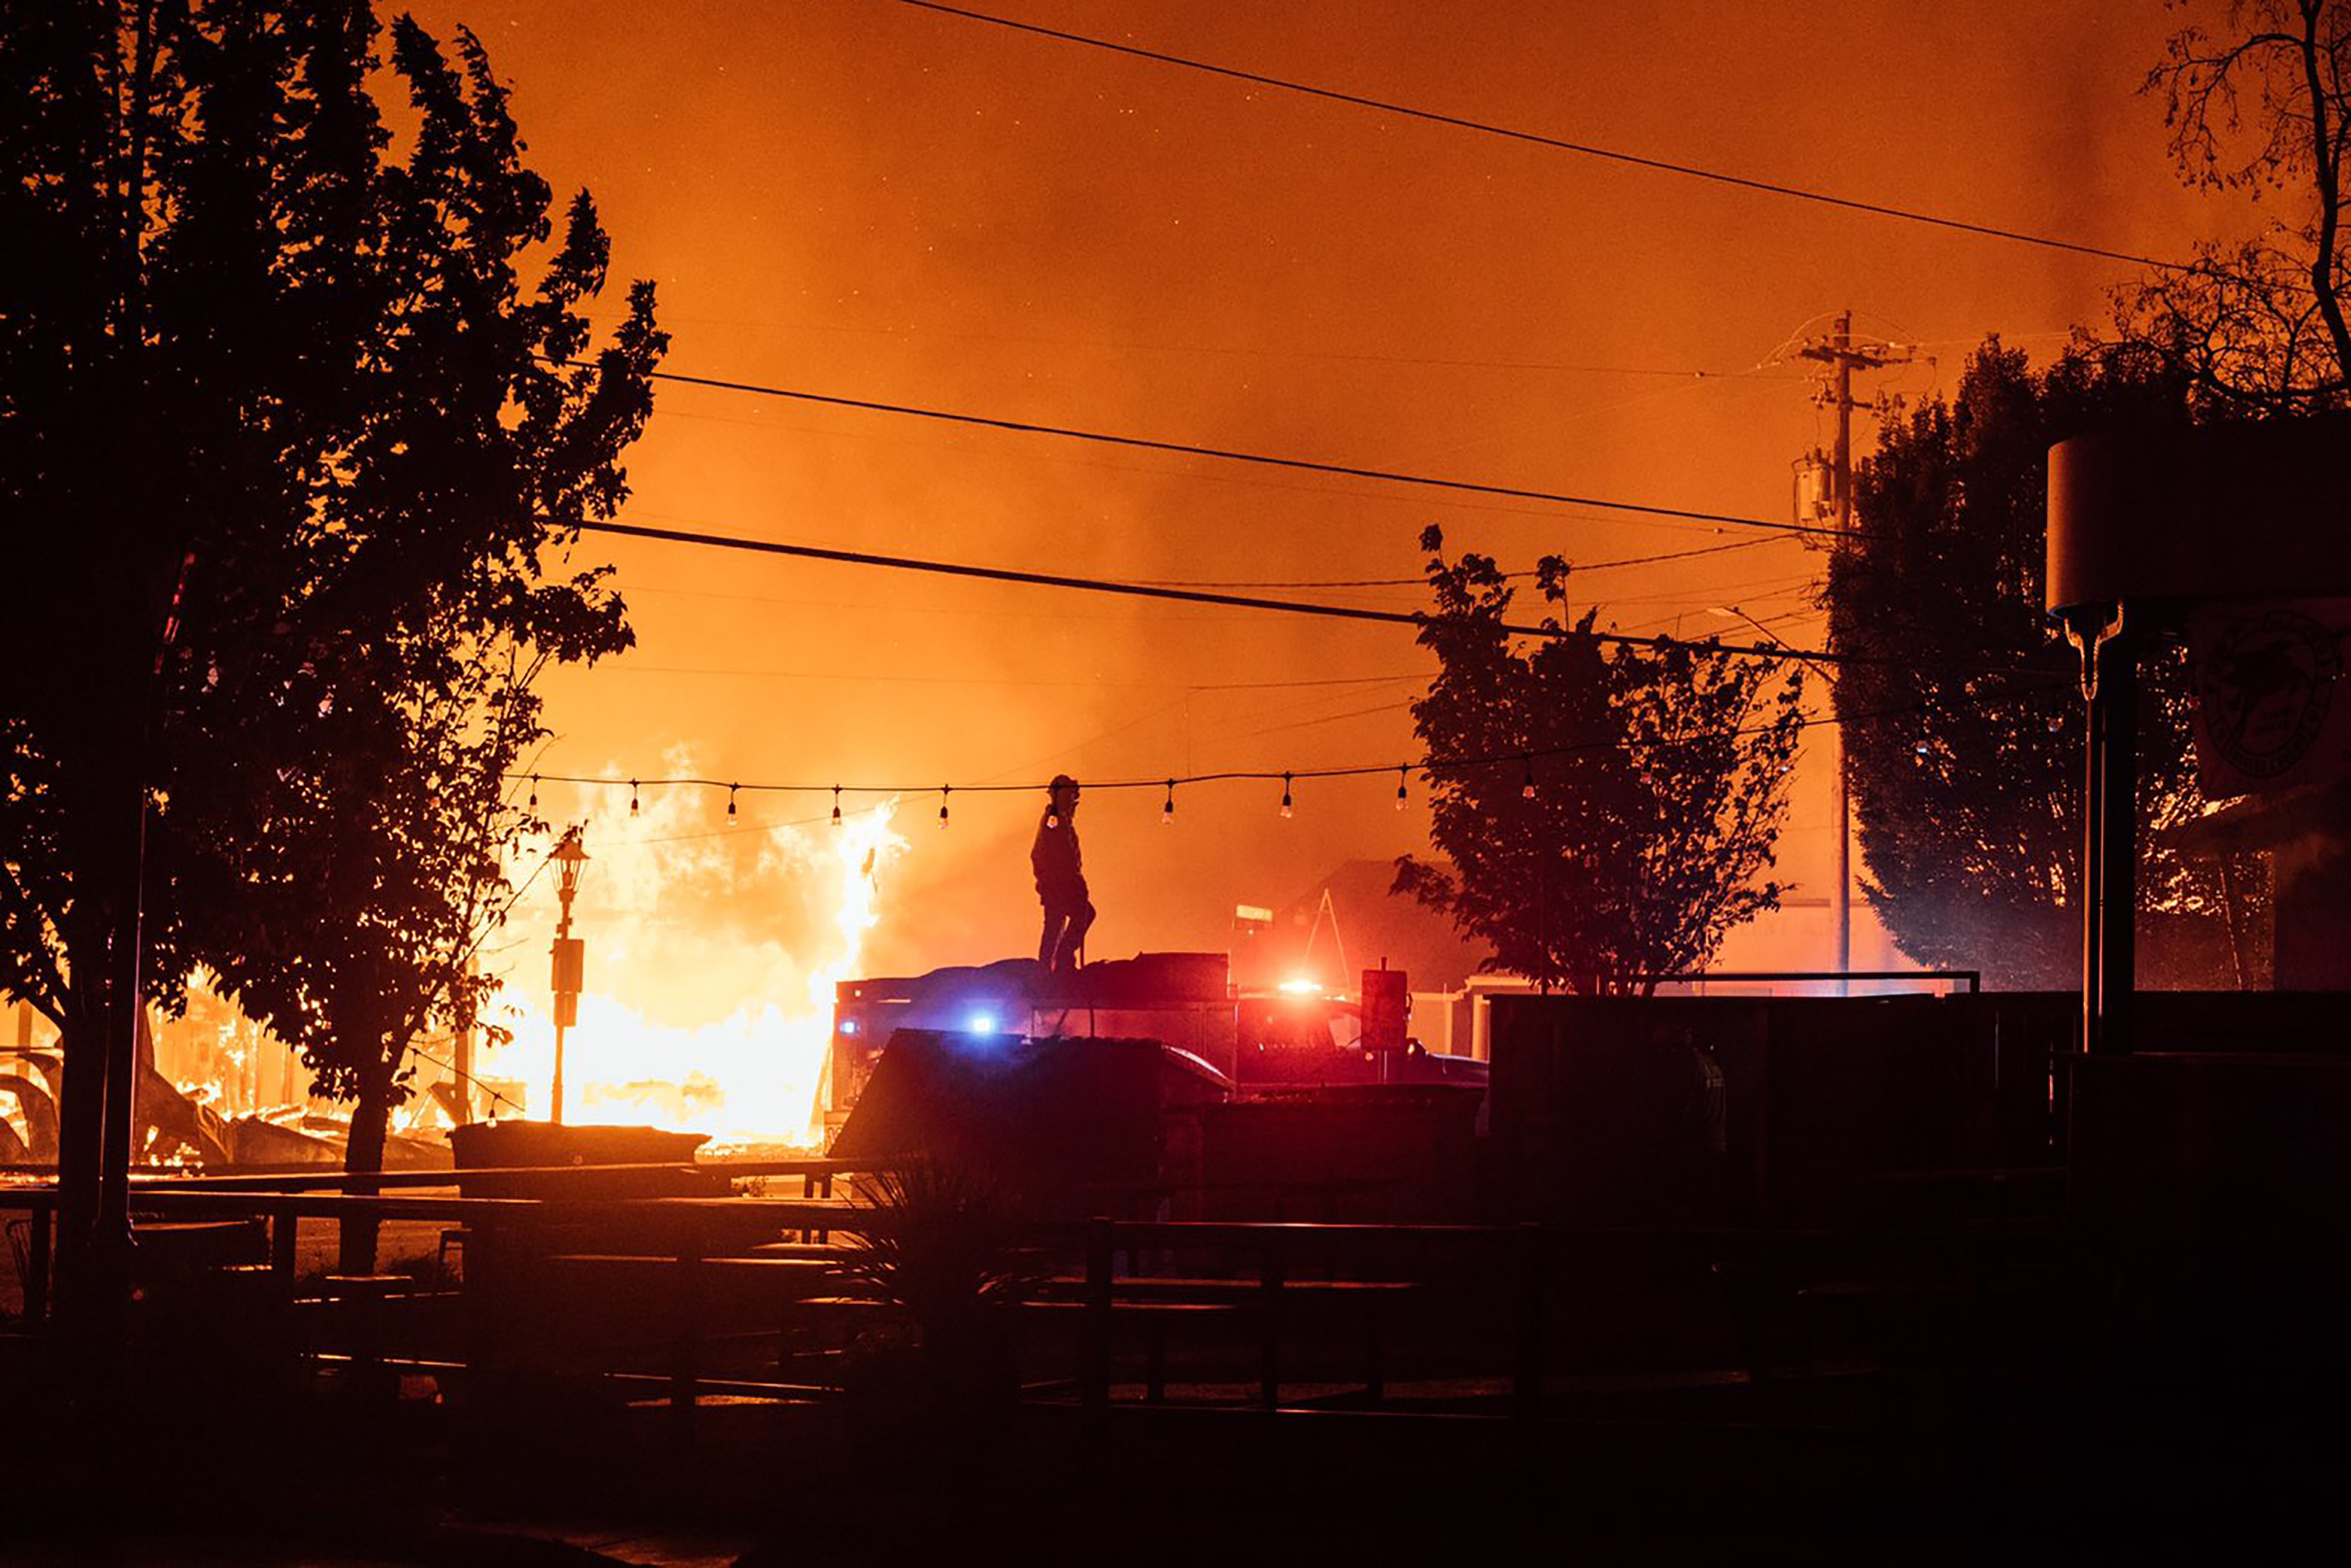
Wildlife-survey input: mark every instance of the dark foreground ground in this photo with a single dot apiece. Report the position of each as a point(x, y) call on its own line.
point(330, 1479)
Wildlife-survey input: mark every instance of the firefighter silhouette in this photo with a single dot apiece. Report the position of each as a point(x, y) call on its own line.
point(1060, 879)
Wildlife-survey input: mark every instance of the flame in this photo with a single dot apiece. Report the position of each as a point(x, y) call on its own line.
point(754, 1075)
point(713, 955)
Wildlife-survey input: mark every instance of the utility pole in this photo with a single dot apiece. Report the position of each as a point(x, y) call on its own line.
point(1842, 356)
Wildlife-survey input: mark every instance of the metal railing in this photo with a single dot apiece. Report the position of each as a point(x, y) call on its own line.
point(1972, 979)
point(662, 1258)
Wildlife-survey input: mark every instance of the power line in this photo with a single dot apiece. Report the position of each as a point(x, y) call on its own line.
point(480, 1083)
point(1653, 560)
point(1585, 149)
point(624, 667)
point(1195, 596)
point(1713, 648)
point(1754, 587)
point(1297, 724)
point(1423, 581)
point(1192, 477)
point(1759, 372)
point(965, 611)
point(1226, 455)
point(668, 590)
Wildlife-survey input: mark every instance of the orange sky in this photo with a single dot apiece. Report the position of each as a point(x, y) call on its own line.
point(857, 197)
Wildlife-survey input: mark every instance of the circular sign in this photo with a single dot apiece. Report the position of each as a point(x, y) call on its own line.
point(2265, 687)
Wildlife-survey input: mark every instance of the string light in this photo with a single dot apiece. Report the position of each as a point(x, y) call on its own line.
point(1526, 789)
point(1924, 747)
point(1167, 809)
point(730, 803)
point(942, 803)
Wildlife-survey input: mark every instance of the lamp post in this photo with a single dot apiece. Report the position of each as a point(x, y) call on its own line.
point(1840, 897)
point(570, 956)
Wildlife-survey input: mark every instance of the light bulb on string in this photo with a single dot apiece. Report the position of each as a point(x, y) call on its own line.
point(1167, 809)
point(942, 803)
point(1285, 795)
point(1527, 788)
point(1402, 774)
point(632, 797)
point(836, 805)
point(534, 791)
point(730, 803)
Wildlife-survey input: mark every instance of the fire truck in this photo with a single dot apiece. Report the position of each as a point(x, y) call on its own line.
point(1296, 1035)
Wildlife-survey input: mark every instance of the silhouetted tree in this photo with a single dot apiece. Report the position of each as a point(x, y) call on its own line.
point(361, 891)
point(1962, 715)
point(1660, 776)
point(283, 442)
point(2262, 105)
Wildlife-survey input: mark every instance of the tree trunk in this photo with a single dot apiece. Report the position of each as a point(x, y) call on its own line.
point(93, 1243)
point(363, 1156)
point(81, 1132)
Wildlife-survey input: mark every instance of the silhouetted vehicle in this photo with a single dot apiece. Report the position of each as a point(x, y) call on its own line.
point(1294, 1036)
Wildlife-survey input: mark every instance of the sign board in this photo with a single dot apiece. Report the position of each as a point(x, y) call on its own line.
point(2272, 711)
point(571, 966)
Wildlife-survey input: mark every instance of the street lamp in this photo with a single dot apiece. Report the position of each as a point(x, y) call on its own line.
point(570, 954)
point(1840, 897)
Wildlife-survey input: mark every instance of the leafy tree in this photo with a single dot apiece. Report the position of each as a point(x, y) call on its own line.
point(358, 897)
point(1961, 715)
point(1660, 775)
point(397, 830)
point(282, 443)
point(2262, 106)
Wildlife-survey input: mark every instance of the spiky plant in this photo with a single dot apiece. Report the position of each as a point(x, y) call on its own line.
point(935, 1243)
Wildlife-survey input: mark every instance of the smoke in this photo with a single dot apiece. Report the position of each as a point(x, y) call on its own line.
point(880, 202)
